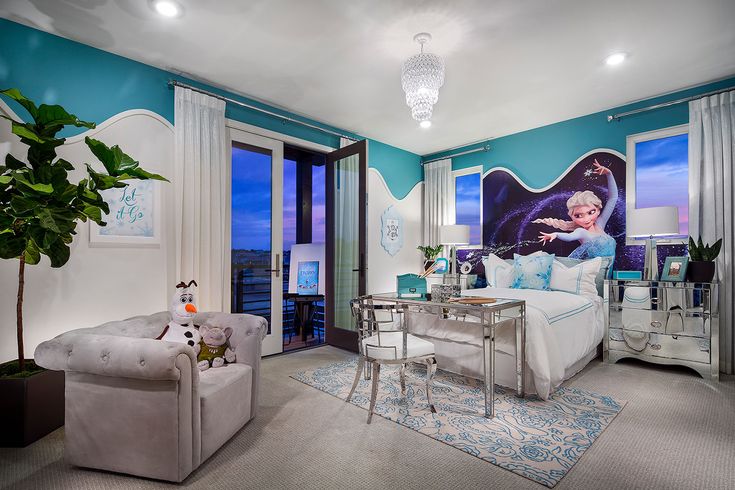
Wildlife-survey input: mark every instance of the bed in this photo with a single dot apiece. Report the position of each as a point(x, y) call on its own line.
point(563, 333)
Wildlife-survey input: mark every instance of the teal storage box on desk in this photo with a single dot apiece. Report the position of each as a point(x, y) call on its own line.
point(411, 286)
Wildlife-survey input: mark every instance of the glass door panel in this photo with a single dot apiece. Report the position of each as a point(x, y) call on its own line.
point(257, 231)
point(346, 240)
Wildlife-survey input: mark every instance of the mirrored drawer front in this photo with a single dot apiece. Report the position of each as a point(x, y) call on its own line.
point(666, 322)
point(659, 345)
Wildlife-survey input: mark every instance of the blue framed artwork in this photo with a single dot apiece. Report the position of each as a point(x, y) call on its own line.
point(675, 269)
point(307, 282)
point(391, 230)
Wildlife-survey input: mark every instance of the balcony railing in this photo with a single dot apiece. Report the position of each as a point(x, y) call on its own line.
point(251, 293)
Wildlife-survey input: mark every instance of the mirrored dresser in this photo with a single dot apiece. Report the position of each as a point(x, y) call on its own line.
point(664, 323)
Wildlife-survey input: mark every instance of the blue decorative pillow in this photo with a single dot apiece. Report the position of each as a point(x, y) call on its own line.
point(532, 271)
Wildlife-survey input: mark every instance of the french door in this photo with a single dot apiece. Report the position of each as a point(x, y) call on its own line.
point(346, 247)
point(256, 231)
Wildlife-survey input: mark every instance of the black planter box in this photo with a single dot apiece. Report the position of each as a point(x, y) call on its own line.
point(700, 271)
point(31, 407)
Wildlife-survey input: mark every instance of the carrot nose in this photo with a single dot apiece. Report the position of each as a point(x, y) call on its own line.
point(190, 308)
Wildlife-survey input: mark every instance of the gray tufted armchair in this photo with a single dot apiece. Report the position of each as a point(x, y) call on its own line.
point(140, 406)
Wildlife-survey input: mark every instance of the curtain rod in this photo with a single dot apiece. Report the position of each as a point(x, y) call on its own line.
point(615, 117)
point(176, 83)
point(485, 147)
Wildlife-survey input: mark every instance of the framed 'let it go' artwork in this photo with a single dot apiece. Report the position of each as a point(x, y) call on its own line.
point(134, 219)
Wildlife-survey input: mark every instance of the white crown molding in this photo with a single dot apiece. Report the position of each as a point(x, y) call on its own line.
point(561, 176)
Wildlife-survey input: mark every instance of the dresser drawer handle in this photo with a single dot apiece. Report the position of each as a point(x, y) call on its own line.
point(656, 324)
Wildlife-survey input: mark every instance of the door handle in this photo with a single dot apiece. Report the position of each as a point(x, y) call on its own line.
point(277, 270)
point(361, 265)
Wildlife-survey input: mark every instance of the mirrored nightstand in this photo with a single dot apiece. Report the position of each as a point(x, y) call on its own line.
point(664, 323)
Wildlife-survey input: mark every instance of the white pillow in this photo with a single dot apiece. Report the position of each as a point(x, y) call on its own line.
point(498, 272)
point(579, 279)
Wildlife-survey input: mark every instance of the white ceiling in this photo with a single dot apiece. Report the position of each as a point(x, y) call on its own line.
point(511, 65)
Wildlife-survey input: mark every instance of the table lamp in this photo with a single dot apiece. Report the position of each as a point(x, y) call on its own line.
point(454, 235)
point(651, 223)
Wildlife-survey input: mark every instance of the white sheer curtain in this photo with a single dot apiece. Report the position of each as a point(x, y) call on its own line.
point(711, 179)
point(438, 199)
point(201, 188)
point(347, 238)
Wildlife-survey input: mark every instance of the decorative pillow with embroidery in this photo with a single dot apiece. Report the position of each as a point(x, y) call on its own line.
point(578, 279)
point(532, 271)
point(498, 273)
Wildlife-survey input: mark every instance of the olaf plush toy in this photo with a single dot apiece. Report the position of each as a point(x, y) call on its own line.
point(182, 309)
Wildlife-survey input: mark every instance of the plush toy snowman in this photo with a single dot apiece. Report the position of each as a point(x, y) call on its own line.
point(180, 328)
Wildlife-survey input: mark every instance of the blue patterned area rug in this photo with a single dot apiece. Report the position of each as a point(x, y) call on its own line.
point(538, 439)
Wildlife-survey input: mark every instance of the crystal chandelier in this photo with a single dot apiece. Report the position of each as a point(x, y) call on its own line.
point(421, 77)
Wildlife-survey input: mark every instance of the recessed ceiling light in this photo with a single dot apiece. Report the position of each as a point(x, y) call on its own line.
point(615, 59)
point(167, 8)
point(425, 124)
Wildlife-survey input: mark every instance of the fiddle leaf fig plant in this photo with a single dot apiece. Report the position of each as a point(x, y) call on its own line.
point(39, 207)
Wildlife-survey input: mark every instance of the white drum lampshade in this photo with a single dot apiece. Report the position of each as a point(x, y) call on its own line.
point(650, 223)
point(653, 222)
point(454, 235)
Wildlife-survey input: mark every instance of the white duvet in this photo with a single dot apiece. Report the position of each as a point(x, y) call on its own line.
point(561, 328)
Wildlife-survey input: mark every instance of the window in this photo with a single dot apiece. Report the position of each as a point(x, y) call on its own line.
point(468, 201)
point(658, 172)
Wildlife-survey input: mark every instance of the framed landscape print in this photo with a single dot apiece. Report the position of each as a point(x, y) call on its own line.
point(134, 219)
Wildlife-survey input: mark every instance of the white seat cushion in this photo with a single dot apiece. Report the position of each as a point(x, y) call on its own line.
point(415, 347)
point(225, 403)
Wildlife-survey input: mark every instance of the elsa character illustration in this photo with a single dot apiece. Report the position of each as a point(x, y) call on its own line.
point(588, 223)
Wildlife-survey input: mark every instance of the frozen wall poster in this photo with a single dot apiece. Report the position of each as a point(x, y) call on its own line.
point(581, 214)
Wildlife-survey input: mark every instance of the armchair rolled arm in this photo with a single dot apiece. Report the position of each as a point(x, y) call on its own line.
point(248, 331)
point(109, 355)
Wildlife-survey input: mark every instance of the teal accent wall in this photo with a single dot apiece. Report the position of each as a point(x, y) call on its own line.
point(401, 169)
point(538, 156)
point(95, 85)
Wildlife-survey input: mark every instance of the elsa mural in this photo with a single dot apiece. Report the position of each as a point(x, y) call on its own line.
point(589, 219)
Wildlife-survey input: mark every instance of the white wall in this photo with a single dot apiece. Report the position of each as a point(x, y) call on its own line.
point(97, 284)
point(382, 268)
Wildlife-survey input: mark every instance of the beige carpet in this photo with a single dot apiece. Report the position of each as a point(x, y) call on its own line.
point(677, 431)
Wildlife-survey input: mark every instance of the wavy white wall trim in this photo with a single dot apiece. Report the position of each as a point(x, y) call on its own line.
point(5, 108)
point(561, 176)
point(8, 111)
point(382, 267)
point(385, 184)
point(116, 119)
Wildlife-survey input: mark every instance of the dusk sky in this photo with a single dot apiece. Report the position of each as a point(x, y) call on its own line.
point(662, 175)
point(251, 201)
point(467, 202)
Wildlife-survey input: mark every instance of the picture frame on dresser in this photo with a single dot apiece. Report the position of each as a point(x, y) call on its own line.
point(675, 269)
